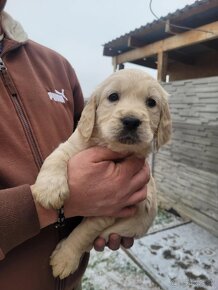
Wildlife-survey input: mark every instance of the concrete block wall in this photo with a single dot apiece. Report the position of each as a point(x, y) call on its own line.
point(186, 170)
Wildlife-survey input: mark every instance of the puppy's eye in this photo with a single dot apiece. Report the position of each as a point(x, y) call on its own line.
point(151, 103)
point(113, 97)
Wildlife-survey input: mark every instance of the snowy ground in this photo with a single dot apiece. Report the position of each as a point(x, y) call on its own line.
point(184, 257)
point(116, 271)
point(176, 254)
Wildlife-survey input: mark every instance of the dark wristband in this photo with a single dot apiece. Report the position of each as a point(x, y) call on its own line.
point(61, 218)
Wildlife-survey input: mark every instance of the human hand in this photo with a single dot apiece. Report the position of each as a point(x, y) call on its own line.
point(105, 183)
point(114, 243)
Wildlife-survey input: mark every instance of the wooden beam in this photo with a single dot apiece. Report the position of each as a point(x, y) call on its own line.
point(198, 35)
point(162, 66)
point(172, 28)
point(134, 42)
point(114, 63)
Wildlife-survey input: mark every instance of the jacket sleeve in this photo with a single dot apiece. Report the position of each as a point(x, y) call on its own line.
point(18, 218)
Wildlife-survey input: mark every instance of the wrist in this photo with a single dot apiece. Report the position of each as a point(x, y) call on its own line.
point(69, 211)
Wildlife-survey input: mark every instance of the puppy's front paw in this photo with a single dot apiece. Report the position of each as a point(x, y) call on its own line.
point(64, 260)
point(50, 192)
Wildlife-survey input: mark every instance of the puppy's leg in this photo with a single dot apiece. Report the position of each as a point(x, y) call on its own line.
point(51, 187)
point(66, 257)
point(138, 225)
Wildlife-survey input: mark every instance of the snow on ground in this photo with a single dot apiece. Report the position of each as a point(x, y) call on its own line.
point(116, 271)
point(176, 254)
point(183, 257)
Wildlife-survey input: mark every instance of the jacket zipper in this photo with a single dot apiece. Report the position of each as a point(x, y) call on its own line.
point(60, 284)
point(21, 114)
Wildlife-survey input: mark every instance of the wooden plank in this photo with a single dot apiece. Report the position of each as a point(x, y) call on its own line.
point(173, 29)
point(134, 42)
point(198, 35)
point(162, 66)
point(114, 63)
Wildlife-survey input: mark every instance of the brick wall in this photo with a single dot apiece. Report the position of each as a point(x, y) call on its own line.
point(186, 170)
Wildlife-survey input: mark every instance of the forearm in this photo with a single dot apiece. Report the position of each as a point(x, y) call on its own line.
point(18, 218)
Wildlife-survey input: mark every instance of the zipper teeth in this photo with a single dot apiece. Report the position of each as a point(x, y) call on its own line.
point(28, 131)
point(60, 284)
point(24, 121)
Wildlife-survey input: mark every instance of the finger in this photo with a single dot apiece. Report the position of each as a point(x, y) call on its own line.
point(99, 244)
point(127, 242)
point(148, 172)
point(131, 165)
point(137, 197)
point(114, 242)
point(139, 180)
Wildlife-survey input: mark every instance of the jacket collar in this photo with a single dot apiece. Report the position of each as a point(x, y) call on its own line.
point(13, 29)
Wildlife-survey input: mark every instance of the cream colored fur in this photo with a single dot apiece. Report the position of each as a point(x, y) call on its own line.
point(13, 28)
point(100, 124)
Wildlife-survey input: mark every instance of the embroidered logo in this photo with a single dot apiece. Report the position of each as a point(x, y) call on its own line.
point(58, 96)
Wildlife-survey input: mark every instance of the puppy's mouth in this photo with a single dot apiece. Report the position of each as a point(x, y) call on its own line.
point(129, 130)
point(128, 138)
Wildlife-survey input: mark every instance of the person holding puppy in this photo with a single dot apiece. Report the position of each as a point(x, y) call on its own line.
point(41, 101)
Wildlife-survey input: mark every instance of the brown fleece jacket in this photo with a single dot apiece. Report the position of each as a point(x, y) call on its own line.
point(32, 124)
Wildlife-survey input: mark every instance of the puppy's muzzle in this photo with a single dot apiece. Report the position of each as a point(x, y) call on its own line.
point(129, 133)
point(130, 123)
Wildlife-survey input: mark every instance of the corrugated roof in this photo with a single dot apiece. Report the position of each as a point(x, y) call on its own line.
point(191, 16)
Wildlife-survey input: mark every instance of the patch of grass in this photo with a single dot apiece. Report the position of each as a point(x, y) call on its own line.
point(163, 217)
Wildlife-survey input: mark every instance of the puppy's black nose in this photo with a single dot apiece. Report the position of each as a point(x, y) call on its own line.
point(131, 123)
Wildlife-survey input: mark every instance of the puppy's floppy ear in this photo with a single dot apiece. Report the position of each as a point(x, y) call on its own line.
point(87, 120)
point(164, 129)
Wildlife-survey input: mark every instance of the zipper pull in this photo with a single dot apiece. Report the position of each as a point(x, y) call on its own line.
point(2, 65)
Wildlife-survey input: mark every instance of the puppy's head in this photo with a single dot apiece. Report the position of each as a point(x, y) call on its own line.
point(127, 112)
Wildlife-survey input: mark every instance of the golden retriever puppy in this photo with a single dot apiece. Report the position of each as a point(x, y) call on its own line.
point(128, 112)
